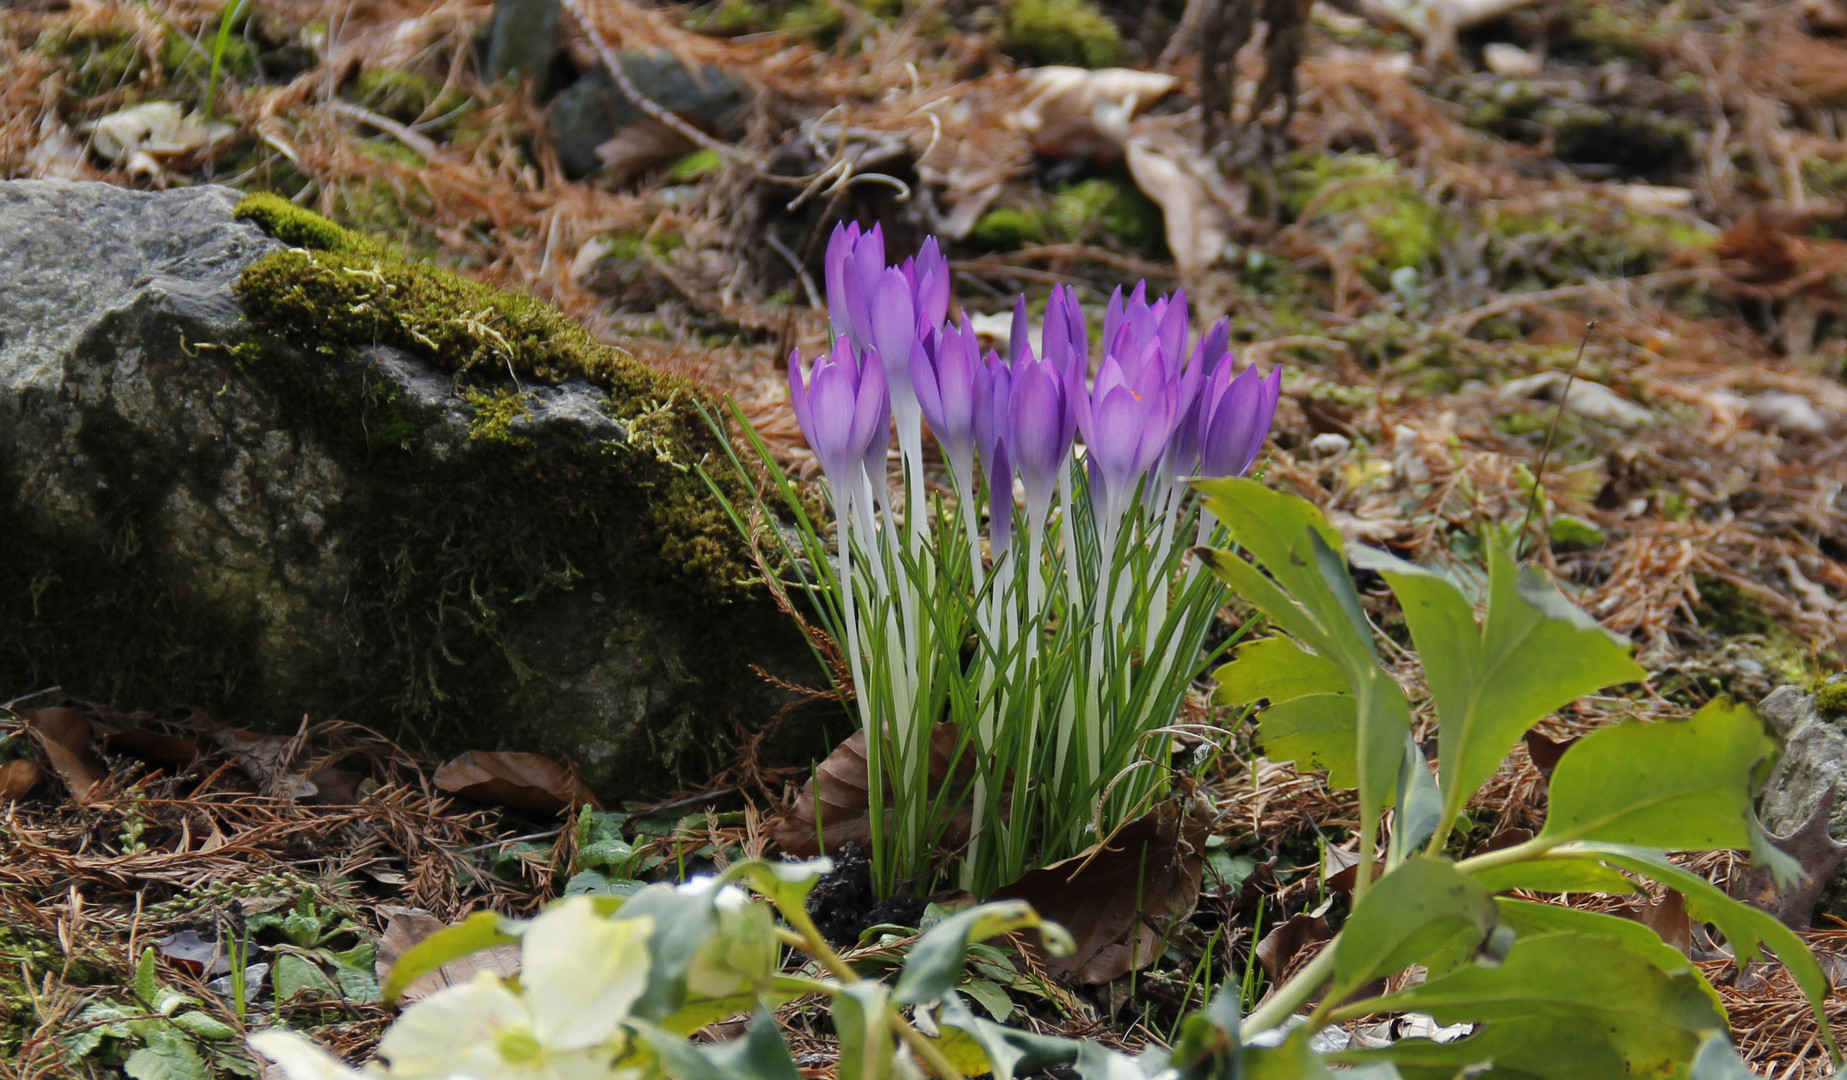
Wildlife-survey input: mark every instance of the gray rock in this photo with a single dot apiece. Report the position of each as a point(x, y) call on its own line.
point(522, 40)
point(593, 110)
point(200, 511)
point(1814, 758)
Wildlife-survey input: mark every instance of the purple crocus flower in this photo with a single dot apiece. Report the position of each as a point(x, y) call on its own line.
point(990, 436)
point(1040, 424)
point(1130, 417)
point(844, 409)
point(854, 262)
point(953, 389)
point(1208, 355)
point(1235, 415)
point(928, 276)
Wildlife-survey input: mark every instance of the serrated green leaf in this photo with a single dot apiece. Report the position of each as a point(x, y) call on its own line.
point(147, 980)
point(1319, 733)
point(176, 1061)
point(1551, 875)
point(167, 1000)
point(1746, 929)
point(1423, 910)
point(760, 1055)
point(597, 883)
point(294, 974)
point(1682, 785)
point(935, 962)
point(482, 930)
point(1560, 1007)
point(1533, 654)
point(204, 1025)
point(1276, 669)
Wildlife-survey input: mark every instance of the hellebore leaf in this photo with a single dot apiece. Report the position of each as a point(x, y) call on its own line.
point(859, 1012)
point(1680, 785)
point(1277, 669)
point(1529, 919)
point(1534, 653)
point(1562, 1007)
point(1556, 875)
point(1008, 1051)
point(760, 1055)
point(1424, 912)
point(1746, 929)
point(935, 962)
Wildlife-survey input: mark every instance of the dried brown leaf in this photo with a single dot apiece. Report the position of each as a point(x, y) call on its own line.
point(405, 927)
point(1121, 897)
point(1818, 853)
point(1284, 947)
point(18, 778)
point(510, 778)
point(64, 736)
point(843, 787)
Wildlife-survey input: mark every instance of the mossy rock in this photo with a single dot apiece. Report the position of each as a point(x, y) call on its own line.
point(282, 469)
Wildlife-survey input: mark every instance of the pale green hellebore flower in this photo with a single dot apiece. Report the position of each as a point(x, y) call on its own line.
point(743, 955)
point(579, 974)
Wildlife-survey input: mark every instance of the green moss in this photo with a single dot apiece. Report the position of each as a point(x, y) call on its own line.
point(343, 289)
point(1407, 229)
point(1006, 228)
point(1831, 700)
point(496, 410)
point(1729, 611)
point(1061, 32)
point(1113, 206)
point(1825, 178)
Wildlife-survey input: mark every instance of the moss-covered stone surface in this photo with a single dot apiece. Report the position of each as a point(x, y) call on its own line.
point(371, 487)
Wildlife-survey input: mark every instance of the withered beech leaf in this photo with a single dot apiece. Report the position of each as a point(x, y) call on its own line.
point(1121, 897)
point(64, 735)
point(146, 743)
point(510, 778)
point(18, 778)
point(843, 785)
point(1340, 869)
point(1545, 752)
point(1288, 946)
point(1816, 851)
point(1668, 918)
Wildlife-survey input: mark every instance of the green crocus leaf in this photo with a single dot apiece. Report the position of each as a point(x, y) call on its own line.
point(1681, 785)
point(1424, 912)
point(1562, 1006)
point(935, 962)
point(1277, 669)
point(760, 1055)
point(1534, 653)
point(482, 930)
point(1746, 929)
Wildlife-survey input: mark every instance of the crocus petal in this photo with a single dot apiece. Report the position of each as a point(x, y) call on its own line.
point(894, 322)
point(871, 417)
point(1019, 341)
point(839, 249)
point(926, 366)
point(798, 393)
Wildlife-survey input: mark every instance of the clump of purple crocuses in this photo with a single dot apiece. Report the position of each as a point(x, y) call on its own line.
point(1088, 620)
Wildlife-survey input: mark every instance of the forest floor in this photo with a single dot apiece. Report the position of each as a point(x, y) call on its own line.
point(1646, 203)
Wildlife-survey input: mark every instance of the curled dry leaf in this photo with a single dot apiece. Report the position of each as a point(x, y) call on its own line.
point(1197, 204)
point(1288, 946)
point(1120, 898)
point(18, 778)
point(843, 786)
point(1076, 112)
point(509, 778)
point(1545, 752)
point(1819, 855)
point(64, 736)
